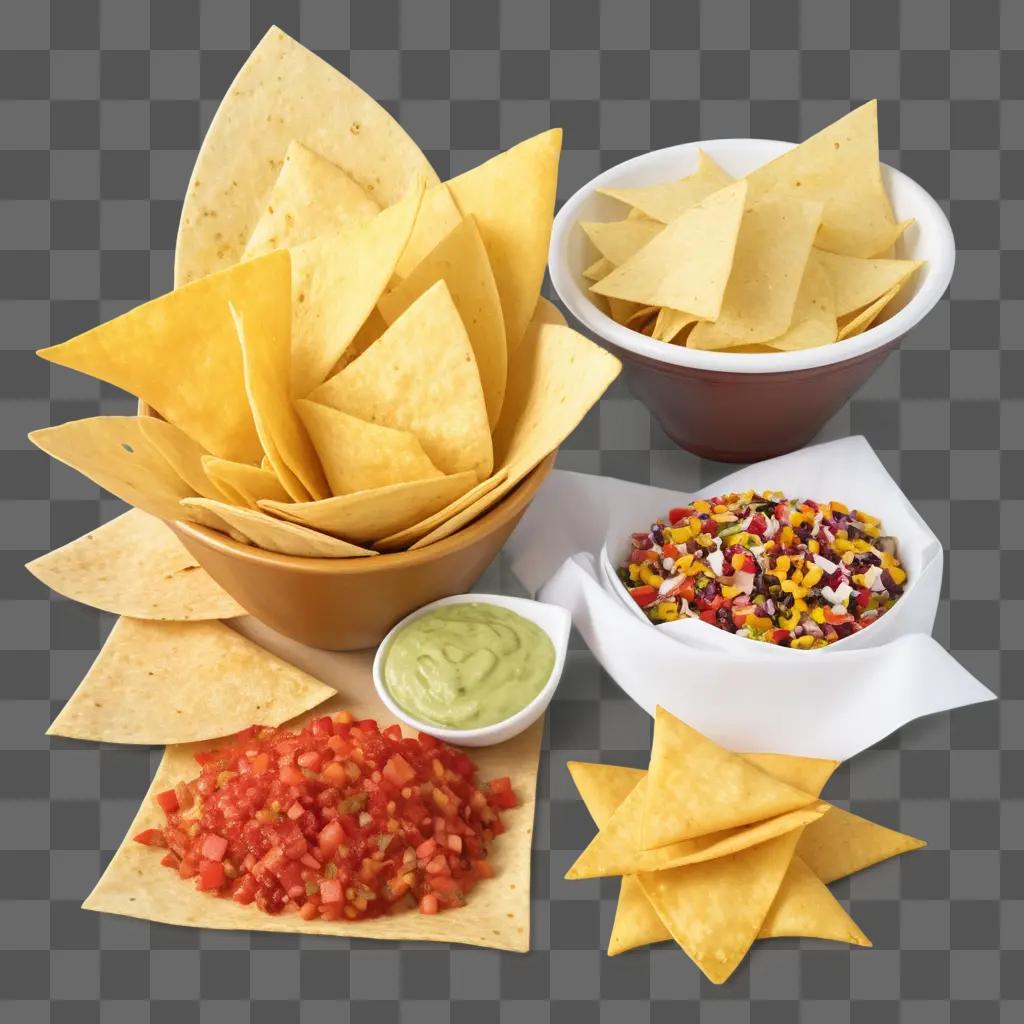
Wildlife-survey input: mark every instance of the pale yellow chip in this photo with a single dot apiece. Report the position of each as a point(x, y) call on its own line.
point(512, 197)
point(180, 355)
point(641, 317)
point(671, 323)
point(859, 322)
point(620, 310)
point(839, 167)
point(264, 531)
point(421, 376)
point(310, 196)
point(361, 456)
point(696, 787)
point(687, 265)
point(598, 269)
point(438, 217)
point(183, 455)
point(814, 315)
point(282, 93)
point(547, 313)
point(134, 565)
point(265, 364)
point(460, 260)
point(337, 279)
point(177, 682)
point(859, 282)
point(617, 240)
point(667, 201)
point(363, 516)
point(241, 483)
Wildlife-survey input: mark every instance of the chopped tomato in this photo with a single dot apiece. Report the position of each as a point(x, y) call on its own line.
point(211, 874)
point(644, 595)
point(168, 801)
point(676, 514)
point(151, 837)
point(214, 847)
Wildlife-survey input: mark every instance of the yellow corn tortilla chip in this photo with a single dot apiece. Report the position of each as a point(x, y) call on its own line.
point(337, 279)
point(181, 453)
point(438, 217)
point(598, 269)
point(178, 682)
point(512, 197)
point(282, 93)
point(363, 516)
point(310, 196)
point(603, 787)
point(620, 310)
point(264, 531)
point(644, 316)
point(134, 565)
point(842, 843)
point(242, 484)
point(266, 363)
point(460, 260)
point(857, 323)
point(421, 376)
point(814, 314)
point(687, 265)
point(547, 313)
point(707, 787)
point(671, 323)
point(636, 922)
point(858, 282)
point(555, 378)
point(360, 456)
point(667, 201)
point(496, 915)
point(617, 240)
point(186, 336)
point(839, 167)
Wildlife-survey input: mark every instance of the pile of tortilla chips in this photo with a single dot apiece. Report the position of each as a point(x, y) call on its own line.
point(357, 358)
point(717, 849)
point(796, 255)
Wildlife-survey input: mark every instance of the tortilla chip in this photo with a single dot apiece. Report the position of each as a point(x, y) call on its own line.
point(858, 323)
point(603, 787)
point(282, 93)
point(421, 376)
point(617, 240)
point(857, 282)
point(460, 260)
point(336, 281)
point(187, 336)
point(361, 517)
point(814, 314)
point(808, 774)
point(134, 565)
point(715, 910)
point(178, 682)
point(636, 921)
point(671, 323)
point(842, 843)
point(598, 269)
point(242, 484)
point(547, 313)
point(667, 201)
point(264, 531)
point(620, 310)
point(707, 787)
point(686, 266)
point(437, 218)
point(497, 914)
point(310, 196)
point(512, 197)
point(266, 363)
point(180, 452)
point(555, 378)
point(361, 456)
point(839, 166)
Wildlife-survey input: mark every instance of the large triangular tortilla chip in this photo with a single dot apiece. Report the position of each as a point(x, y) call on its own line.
point(603, 787)
point(178, 682)
point(814, 314)
point(460, 260)
point(862, 320)
point(359, 456)
point(134, 565)
point(512, 197)
point(668, 200)
point(284, 92)
point(438, 217)
point(421, 376)
point(361, 517)
point(264, 531)
point(497, 913)
point(687, 265)
point(310, 196)
point(670, 323)
point(617, 240)
point(181, 453)
point(547, 313)
point(337, 279)
point(838, 167)
point(695, 787)
point(857, 282)
point(179, 354)
point(242, 484)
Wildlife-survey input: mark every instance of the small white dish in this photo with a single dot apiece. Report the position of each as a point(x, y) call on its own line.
point(556, 623)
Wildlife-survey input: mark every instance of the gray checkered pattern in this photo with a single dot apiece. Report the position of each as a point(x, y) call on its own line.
point(102, 106)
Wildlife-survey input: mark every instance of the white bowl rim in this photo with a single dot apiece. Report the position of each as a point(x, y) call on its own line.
point(937, 274)
point(552, 618)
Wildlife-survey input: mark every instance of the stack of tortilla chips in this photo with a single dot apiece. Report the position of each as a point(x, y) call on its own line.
point(357, 358)
point(718, 849)
point(795, 255)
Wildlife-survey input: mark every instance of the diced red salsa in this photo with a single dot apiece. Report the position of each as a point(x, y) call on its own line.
point(337, 821)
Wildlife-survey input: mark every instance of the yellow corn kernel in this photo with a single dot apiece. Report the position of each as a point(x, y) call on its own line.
point(782, 564)
point(796, 518)
point(786, 537)
point(789, 623)
point(705, 540)
point(861, 546)
point(865, 518)
point(634, 573)
point(695, 569)
point(799, 605)
point(818, 614)
point(847, 557)
point(669, 612)
point(737, 561)
point(797, 576)
point(684, 560)
point(843, 545)
point(813, 546)
point(898, 575)
point(838, 506)
point(746, 495)
point(724, 517)
point(702, 506)
point(728, 591)
point(758, 622)
point(802, 643)
point(812, 576)
point(719, 508)
point(789, 587)
point(859, 580)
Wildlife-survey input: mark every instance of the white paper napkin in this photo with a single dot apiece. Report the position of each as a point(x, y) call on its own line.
point(831, 702)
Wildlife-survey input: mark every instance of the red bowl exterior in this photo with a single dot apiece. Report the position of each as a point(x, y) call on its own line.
point(744, 417)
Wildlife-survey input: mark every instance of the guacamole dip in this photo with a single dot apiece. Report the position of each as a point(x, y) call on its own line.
point(467, 665)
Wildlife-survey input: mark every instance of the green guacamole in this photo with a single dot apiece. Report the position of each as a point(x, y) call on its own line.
point(466, 665)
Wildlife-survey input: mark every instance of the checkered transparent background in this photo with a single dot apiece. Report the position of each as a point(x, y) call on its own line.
point(102, 106)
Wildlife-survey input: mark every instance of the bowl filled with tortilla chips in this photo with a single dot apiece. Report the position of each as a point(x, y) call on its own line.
point(751, 286)
point(355, 388)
